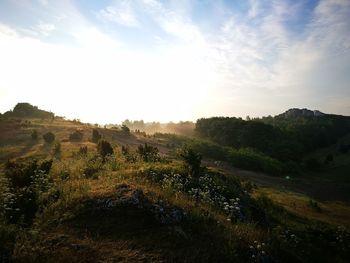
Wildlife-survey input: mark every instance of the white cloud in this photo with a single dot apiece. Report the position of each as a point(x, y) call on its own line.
point(121, 13)
point(44, 29)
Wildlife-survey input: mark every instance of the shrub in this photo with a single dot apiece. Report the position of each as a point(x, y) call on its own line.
point(34, 135)
point(252, 160)
point(21, 175)
point(125, 129)
point(76, 136)
point(26, 182)
point(56, 149)
point(93, 165)
point(104, 148)
point(49, 137)
point(128, 155)
point(192, 161)
point(148, 153)
point(83, 150)
point(314, 205)
point(96, 136)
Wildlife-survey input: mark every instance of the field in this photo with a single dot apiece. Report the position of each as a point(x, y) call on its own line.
point(130, 207)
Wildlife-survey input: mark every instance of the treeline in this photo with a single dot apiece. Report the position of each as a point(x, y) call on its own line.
point(281, 137)
point(183, 127)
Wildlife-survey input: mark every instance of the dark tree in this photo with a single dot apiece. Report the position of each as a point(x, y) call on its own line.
point(76, 136)
point(125, 129)
point(49, 137)
point(192, 160)
point(34, 135)
point(148, 153)
point(104, 148)
point(96, 136)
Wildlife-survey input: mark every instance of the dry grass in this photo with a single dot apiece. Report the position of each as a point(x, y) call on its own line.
point(335, 213)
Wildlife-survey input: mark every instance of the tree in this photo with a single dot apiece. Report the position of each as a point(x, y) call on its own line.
point(192, 160)
point(34, 135)
point(104, 148)
point(49, 137)
point(125, 129)
point(76, 136)
point(96, 136)
point(148, 153)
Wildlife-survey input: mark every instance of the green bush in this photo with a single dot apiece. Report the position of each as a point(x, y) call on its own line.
point(76, 136)
point(192, 161)
point(25, 183)
point(93, 165)
point(34, 135)
point(245, 158)
point(252, 160)
point(83, 150)
point(96, 136)
point(104, 148)
point(49, 137)
point(56, 151)
point(148, 153)
point(129, 156)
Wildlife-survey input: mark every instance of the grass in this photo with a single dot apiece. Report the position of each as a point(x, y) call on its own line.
point(71, 226)
point(335, 213)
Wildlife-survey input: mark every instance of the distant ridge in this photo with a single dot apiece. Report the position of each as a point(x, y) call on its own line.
point(295, 113)
point(27, 110)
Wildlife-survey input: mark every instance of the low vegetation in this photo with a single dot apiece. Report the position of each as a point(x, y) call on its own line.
point(160, 198)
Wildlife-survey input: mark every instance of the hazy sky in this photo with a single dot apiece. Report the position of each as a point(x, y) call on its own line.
point(105, 61)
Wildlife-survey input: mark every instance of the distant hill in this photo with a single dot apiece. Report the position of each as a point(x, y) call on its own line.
point(294, 113)
point(26, 110)
point(288, 136)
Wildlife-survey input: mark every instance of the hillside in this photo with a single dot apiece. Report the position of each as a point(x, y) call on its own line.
point(153, 198)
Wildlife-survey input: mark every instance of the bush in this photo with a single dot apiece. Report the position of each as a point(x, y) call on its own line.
point(148, 153)
point(314, 205)
point(93, 165)
point(96, 136)
point(125, 129)
point(192, 161)
point(251, 160)
point(25, 183)
point(76, 136)
point(21, 175)
point(49, 137)
point(34, 135)
point(104, 148)
point(56, 149)
point(83, 150)
point(128, 155)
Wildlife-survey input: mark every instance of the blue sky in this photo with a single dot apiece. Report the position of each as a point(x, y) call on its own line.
point(105, 61)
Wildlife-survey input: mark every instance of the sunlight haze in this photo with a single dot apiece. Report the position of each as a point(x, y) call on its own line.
point(106, 61)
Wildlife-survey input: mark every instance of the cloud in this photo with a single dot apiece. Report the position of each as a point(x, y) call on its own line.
point(255, 62)
point(44, 29)
point(121, 13)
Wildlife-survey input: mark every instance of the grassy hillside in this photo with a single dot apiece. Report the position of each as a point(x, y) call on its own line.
point(151, 203)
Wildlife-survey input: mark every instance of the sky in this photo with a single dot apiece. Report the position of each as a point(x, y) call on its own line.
point(107, 61)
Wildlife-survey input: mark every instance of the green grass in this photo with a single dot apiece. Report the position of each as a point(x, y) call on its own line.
point(70, 226)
